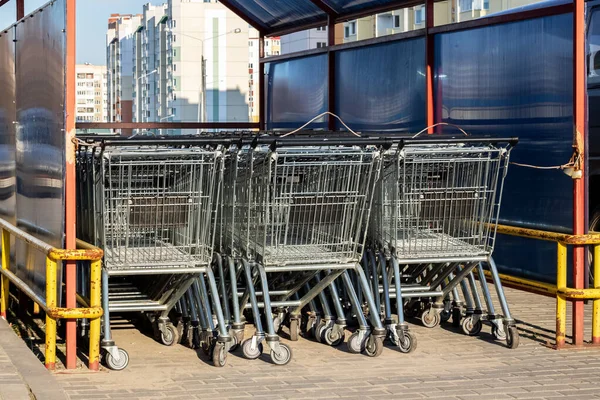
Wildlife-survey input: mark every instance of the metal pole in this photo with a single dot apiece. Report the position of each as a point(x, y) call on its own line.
point(70, 185)
point(261, 83)
point(20, 9)
point(429, 56)
point(204, 108)
point(331, 72)
point(579, 191)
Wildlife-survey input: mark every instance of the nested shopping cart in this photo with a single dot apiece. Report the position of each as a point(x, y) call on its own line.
point(434, 221)
point(295, 209)
point(151, 206)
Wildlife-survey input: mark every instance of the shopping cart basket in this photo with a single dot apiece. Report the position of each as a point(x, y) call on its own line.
point(295, 209)
point(154, 207)
point(434, 221)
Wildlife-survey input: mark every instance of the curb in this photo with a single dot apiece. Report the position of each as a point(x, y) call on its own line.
point(35, 376)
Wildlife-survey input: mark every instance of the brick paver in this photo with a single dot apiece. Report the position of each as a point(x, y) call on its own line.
point(446, 365)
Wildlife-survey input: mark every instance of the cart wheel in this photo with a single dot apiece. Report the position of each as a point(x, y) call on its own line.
point(320, 331)
point(170, 336)
point(456, 316)
point(117, 365)
point(374, 346)
point(498, 334)
point(470, 328)
point(205, 346)
point(408, 342)
point(333, 338)
point(413, 310)
point(249, 353)
point(219, 356)
point(179, 332)
point(354, 344)
point(294, 329)
point(445, 316)
point(430, 318)
point(240, 336)
point(512, 337)
point(284, 357)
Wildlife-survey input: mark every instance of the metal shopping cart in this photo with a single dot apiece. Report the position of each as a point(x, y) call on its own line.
point(294, 210)
point(151, 206)
point(434, 222)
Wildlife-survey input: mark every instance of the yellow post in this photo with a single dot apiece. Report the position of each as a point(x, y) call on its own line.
point(4, 282)
point(561, 301)
point(596, 313)
point(50, 322)
point(95, 286)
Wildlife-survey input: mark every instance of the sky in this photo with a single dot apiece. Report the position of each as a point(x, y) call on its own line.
point(92, 21)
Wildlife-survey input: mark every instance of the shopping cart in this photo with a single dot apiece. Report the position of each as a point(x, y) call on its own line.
point(151, 206)
point(434, 222)
point(295, 210)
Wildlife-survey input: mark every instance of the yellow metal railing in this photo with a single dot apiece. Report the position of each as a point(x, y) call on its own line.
point(562, 292)
point(85, 252)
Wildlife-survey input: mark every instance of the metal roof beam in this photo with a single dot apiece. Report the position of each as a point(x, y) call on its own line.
point(326, 8)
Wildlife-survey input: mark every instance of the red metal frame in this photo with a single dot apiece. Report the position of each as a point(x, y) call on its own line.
point(429, 61)
point(580, 136)
point(70, 183)
point(262, 98)
point(331, 73)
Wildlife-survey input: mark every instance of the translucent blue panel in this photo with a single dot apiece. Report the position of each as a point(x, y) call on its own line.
point(278, 14)
point(382, 87)
point(40, 137)
point(296, 92)
point(350, 6)
point(7, 126)
point(516, 80)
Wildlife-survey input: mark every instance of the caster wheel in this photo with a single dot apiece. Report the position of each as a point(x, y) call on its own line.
point(407, 342)
point(205, 346)
point(456, 316)
point(374, 346)
point(498, 334)
point(284, 356)
point(219, 355)
point(430, 318)
point(445, 316)
point(354, 344)
point(249, 352)
point(294, 329)
point(117, 365)
point(236, 342)
point(320, 330)
point(470, 328)
point(170, 336)
point(333, 338)
point(512, 337)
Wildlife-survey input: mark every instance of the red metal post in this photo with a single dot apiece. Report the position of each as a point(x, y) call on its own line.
point(262, 99)
point(429, 43)
point(70, 205)
point(331, 73)
point(20, 9)
point(579, 192)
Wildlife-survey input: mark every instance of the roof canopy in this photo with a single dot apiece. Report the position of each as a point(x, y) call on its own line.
point(277, 17)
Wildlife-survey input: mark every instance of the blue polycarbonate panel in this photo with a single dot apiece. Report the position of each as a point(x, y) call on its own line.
point(516, 79)
point(382, 87)
point(40, 137)
point(278, 14)
point(296, 92)
point(7, 126)
point(351, 6)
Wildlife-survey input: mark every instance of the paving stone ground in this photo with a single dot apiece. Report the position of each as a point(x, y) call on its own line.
point(446, 365)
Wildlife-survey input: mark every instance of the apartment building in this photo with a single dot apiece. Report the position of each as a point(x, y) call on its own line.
point(150, 84)
point(91, 93)
point(119, 57)
point(272, 48)
point(412, 18)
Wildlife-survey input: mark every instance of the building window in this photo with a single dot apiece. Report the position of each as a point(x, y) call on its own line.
point(251, 43)
point(350, 29)
point(419, 15)
point(174, 111)
point(174, 67)
point(250, 65)
point(396, 21)
point(321, 28)
point(174, 38)
point(321, 44)
point(174, 96)
point(174, 23)
point(465, 5)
